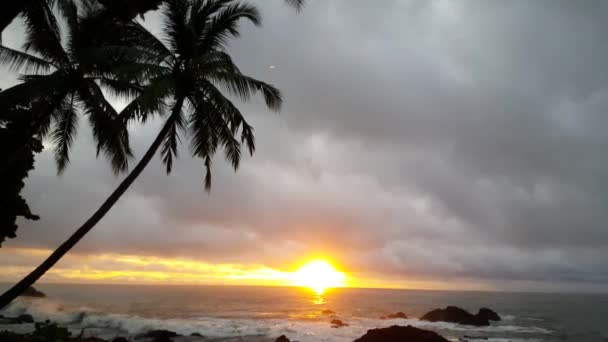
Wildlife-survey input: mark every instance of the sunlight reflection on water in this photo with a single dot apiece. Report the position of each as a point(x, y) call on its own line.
point(318, 300)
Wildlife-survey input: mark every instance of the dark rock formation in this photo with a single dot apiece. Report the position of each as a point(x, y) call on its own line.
point(25, 319)
point(488, 314)
point(282, 338)
point(455, 314)
point(119, 339)
point(400, 334)
point(17, 320)
point(328, 312)
point(195, 334)
point(32, 292)
point(158, 335)
point(94, 339)
point(397, 315)
point(336, 323)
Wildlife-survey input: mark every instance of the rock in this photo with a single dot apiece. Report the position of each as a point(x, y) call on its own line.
point(328, 312)
point(32, 292)
point(282, 338)
point(17, 320)
point(94, 339)
point(25, 319)
point(488, 314)
point(195, 334)
point(455, 314)
point(158, 335)
point(336, 323)
point(397, 315)
point(400, 334)
point(119, 339)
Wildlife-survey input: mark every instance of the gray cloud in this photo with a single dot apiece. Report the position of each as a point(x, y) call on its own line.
point(433, 139)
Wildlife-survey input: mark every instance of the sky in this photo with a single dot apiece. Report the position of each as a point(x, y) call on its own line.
point(422, 144)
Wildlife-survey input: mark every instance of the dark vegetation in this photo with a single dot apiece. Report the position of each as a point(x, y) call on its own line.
point(15, 136)
point(183, 77)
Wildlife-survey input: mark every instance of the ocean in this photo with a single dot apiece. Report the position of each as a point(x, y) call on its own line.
point(236, 313)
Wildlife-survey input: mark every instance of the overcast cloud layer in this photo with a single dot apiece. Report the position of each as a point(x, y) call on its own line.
point(419, 139)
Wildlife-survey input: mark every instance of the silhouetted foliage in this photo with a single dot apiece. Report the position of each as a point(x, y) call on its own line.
point(43, 332)
point(129, 9)
point(15, 134)
point(182, 77)
point(65, 77)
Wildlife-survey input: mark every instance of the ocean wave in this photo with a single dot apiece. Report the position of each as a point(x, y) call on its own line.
point(104, 324)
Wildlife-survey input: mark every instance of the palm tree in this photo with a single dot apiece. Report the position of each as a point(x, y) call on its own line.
point(185, 85)
point(38, 12)
point(63, 79)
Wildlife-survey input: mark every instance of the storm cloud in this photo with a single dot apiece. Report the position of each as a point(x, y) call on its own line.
point(419, 139)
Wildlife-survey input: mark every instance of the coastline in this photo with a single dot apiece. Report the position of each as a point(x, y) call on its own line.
point(262, 314)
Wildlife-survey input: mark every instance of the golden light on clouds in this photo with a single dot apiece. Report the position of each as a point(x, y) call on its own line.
point(316, 273)
point(118, 268)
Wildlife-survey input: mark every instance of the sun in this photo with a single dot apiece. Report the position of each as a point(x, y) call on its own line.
point(318, 275)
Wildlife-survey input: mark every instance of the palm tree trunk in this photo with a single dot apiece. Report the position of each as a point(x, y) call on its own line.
point(31, 278)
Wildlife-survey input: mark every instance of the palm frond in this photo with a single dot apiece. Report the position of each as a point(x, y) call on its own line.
point(153, 49)
point(223, 26)
point(151, 100)
point(213, 61)
point(207, 173)
point(42, 35)
point(297, 4)
point(245, 86)
point(170, 143)
point(44, 93)
point(233, 116)
point(119, 88)
point(70, 14)
point(178, 34)
point(138, 73)
point(201, 11)
point(214, 123)
point(18, 61)
point(109, 130)
point(66, 125)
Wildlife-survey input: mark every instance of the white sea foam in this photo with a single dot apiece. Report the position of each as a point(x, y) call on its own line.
point(112, 324)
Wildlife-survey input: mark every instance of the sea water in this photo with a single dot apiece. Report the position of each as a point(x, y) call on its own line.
point(263, 313)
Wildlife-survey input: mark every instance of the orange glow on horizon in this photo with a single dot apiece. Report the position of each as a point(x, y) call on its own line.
point(317, 273)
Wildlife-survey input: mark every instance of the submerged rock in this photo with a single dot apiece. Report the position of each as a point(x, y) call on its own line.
point(397, 315)
point(328, 312)
point(32, 292)
point(453, 314)
point(400, 334)
point(488, 314)
point(282, 338)
point(336, 323)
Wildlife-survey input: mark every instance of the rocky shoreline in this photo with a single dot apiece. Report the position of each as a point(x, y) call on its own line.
point(51, 332)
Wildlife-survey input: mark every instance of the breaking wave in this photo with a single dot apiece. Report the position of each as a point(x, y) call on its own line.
point(108, 325)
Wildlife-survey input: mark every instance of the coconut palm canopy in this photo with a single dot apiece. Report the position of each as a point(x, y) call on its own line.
point(181, 76)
